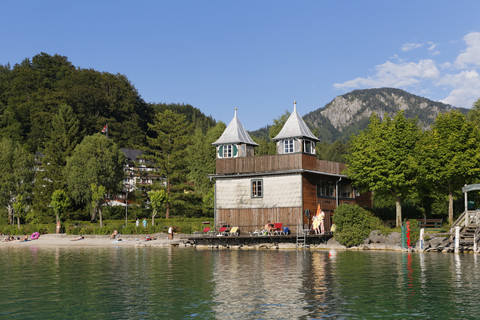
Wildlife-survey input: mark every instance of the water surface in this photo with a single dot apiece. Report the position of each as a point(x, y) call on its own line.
point(189, 283)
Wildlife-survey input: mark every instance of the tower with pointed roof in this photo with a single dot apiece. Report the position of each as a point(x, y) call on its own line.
point(235, 141)
point(286, 187)
point(295, 136)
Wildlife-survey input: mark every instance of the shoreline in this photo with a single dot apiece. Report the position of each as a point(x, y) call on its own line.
point(181, 240)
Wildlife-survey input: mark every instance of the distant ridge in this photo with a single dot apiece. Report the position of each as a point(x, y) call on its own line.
point(350, 113)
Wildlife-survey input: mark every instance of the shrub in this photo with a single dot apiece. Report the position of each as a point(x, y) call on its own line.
point(354, 224)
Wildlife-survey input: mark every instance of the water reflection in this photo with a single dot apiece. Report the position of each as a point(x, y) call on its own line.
point(179, 283)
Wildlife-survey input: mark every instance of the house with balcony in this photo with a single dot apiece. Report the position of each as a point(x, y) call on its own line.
point(287, 187)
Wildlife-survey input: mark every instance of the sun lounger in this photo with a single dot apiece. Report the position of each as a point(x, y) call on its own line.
point(222, 231)
point(205, 231)
point(234, 232)
point(278, 229)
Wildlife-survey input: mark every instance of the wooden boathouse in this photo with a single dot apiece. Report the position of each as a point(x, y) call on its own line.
point(283, 188)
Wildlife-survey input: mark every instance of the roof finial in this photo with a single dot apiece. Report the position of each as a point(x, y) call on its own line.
point(294, 105)
point(236, 112)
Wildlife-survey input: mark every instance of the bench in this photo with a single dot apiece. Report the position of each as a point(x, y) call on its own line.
point(430, 223)
point(422, 223)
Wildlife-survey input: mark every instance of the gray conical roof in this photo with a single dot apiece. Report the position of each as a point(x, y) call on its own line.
point(235, 133)
point(295, 127)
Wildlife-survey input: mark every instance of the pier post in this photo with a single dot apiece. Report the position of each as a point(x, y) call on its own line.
point(422, 234)
point(457, 239)
point(475, 242)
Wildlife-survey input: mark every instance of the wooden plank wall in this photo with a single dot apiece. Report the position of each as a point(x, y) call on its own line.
point(277, 163)
point(255, 219)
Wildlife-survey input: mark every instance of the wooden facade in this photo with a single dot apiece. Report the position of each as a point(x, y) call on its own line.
point(277, 163)
point(290, 185)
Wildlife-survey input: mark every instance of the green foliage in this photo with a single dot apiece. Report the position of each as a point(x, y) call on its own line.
point(381, 158)
point(167, 148)
point(59, 202)
point(336, 151)
point(449, 155)
point(97, 194)
point(157, 199)
point(354, 224)
point(96, 160)
point(16, 173)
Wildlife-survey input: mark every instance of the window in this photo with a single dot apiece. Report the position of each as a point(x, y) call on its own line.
point(227, 151)
point(309, 147)
point(257, 188)
point(288, 146)
point(325, 189)
point(346, 191)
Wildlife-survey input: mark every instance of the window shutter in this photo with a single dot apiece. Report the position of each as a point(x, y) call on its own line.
point(235, 150)
point(220, 152)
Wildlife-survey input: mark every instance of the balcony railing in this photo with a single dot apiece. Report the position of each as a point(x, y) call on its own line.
point(276, 163)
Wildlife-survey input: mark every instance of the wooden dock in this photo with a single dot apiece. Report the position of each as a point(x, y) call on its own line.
point(249, 240)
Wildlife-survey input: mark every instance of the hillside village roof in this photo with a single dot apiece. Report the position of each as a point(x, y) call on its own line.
point(235, 133)
point(295, 127)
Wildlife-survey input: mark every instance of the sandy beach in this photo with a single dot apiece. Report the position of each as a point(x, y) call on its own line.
point(62, 240)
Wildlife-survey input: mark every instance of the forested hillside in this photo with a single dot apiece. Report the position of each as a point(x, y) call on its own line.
point(48, 106)
point(32, 91)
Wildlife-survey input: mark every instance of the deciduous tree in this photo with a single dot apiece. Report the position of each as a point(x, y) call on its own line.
point(16, 173)
point(381, 158)
point(96, 160)
point(157, 198)
point(449, 155)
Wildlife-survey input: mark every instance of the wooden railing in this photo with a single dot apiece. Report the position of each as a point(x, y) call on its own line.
point(277, 163)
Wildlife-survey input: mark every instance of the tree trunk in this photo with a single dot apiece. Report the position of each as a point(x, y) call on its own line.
point(167, 213)
point(398, 207)
point(153, 216)
point(10, 214)
point(100, 215)
point(18, 222)
point(450, 207)
point(94, 214)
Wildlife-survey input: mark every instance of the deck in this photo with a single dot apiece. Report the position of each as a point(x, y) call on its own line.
point(248, 240)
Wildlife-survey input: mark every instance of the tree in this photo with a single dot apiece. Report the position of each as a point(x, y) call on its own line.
point(201, 163)
point(168, 150)
point(16, 174)
point(157, 198)
point(59, 202)
point(98, 194)
point(96, 160)
point(449, 154)
point(381, 158)
point(19, 206)
point(60, 141)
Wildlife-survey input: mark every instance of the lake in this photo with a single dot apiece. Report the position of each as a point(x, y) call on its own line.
point(192, 283)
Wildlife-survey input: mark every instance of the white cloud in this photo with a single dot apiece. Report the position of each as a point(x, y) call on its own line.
point(471, 55)
point(466, 88)
point(390, 74)
point(461, 77)
point(411, 45)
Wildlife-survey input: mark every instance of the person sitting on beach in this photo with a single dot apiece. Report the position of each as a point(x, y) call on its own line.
point(114, 234)
point(79, 238)
point(25, 238)
point(7, 239)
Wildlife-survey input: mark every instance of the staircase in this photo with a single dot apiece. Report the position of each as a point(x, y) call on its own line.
point(469, 223)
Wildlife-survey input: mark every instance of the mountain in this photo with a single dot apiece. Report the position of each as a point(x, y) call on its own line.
point(349, 113)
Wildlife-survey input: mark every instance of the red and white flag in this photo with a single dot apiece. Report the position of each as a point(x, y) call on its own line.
point(105, 128)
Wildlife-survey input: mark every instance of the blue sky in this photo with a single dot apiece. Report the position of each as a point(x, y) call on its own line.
point(258, 56)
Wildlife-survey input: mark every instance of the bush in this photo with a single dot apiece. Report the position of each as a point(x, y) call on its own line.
point(354, 224)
